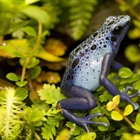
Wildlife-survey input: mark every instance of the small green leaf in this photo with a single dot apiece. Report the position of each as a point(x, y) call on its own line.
point(130, 136)
point(47, 132)
point(128, 110)
point(30, 31)
point(35, 72)
point(136, 126)
point(116, 100)
point(137, 85)
point(105, 120)
point(138, 119)
point(21, 84)
point(88, 136)
point(125, 72)
point(33, 62)
point(110, 106)
point(17, 54)
point(37, 13)
point(116, 116)
point(22, 93)
point(105, 96)
point(15, 48)
point(50, 94)
point(64, 134)
point(45, 33)
point(121, 130)
point(131, 79)
point(12, 76)
point(33, 114)
point(52, 112)
point(114, 103)
point(132, 53)
point(76, 130)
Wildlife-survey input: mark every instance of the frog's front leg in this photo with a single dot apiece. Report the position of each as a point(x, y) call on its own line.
point(116, 65)
point(107, 61)
point(81, 99)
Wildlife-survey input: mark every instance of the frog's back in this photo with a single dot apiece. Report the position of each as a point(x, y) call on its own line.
point(85, 61)
point(84, 65)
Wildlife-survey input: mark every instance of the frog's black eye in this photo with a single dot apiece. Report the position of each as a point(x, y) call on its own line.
point(117, 30)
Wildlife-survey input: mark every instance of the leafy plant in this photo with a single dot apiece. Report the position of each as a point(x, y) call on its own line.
point(80, 15)
point(11, 108)
point(132, 52)
point(44, 117)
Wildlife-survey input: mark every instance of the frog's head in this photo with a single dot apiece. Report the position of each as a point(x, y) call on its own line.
point(116, 27)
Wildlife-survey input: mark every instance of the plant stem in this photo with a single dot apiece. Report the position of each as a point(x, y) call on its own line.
point(28, 59)
point(38, 37)
point(125, 118)
point(24, 68)
point(37, 136)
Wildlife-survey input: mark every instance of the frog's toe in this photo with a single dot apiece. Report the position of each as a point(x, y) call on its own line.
point(134, 95)
point(124, 96)
point(128, 88)
point(87, 122)
point(136, 106)
point(91, 116)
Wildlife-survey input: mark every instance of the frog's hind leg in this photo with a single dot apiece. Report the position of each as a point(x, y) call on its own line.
point(81, 100)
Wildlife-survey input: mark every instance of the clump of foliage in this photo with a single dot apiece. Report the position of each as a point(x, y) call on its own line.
point(43, 120)
point(11, 106)
point(28, 108)
point(132, 52)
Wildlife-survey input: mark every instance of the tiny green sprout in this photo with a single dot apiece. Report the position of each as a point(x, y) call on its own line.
point(114, 103)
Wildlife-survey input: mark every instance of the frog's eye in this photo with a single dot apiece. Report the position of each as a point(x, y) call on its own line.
point(117, 30)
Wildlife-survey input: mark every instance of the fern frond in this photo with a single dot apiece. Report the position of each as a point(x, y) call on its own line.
point(80, 15)
point(10, 109)
point(54, 10)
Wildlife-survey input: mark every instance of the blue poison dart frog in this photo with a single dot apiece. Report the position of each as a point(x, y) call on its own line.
point(88, 67)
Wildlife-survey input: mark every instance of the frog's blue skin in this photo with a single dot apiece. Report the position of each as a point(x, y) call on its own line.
point(88, 67)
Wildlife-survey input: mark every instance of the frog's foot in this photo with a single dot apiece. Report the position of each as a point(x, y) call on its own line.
point(87, 120)
point(124, 96)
